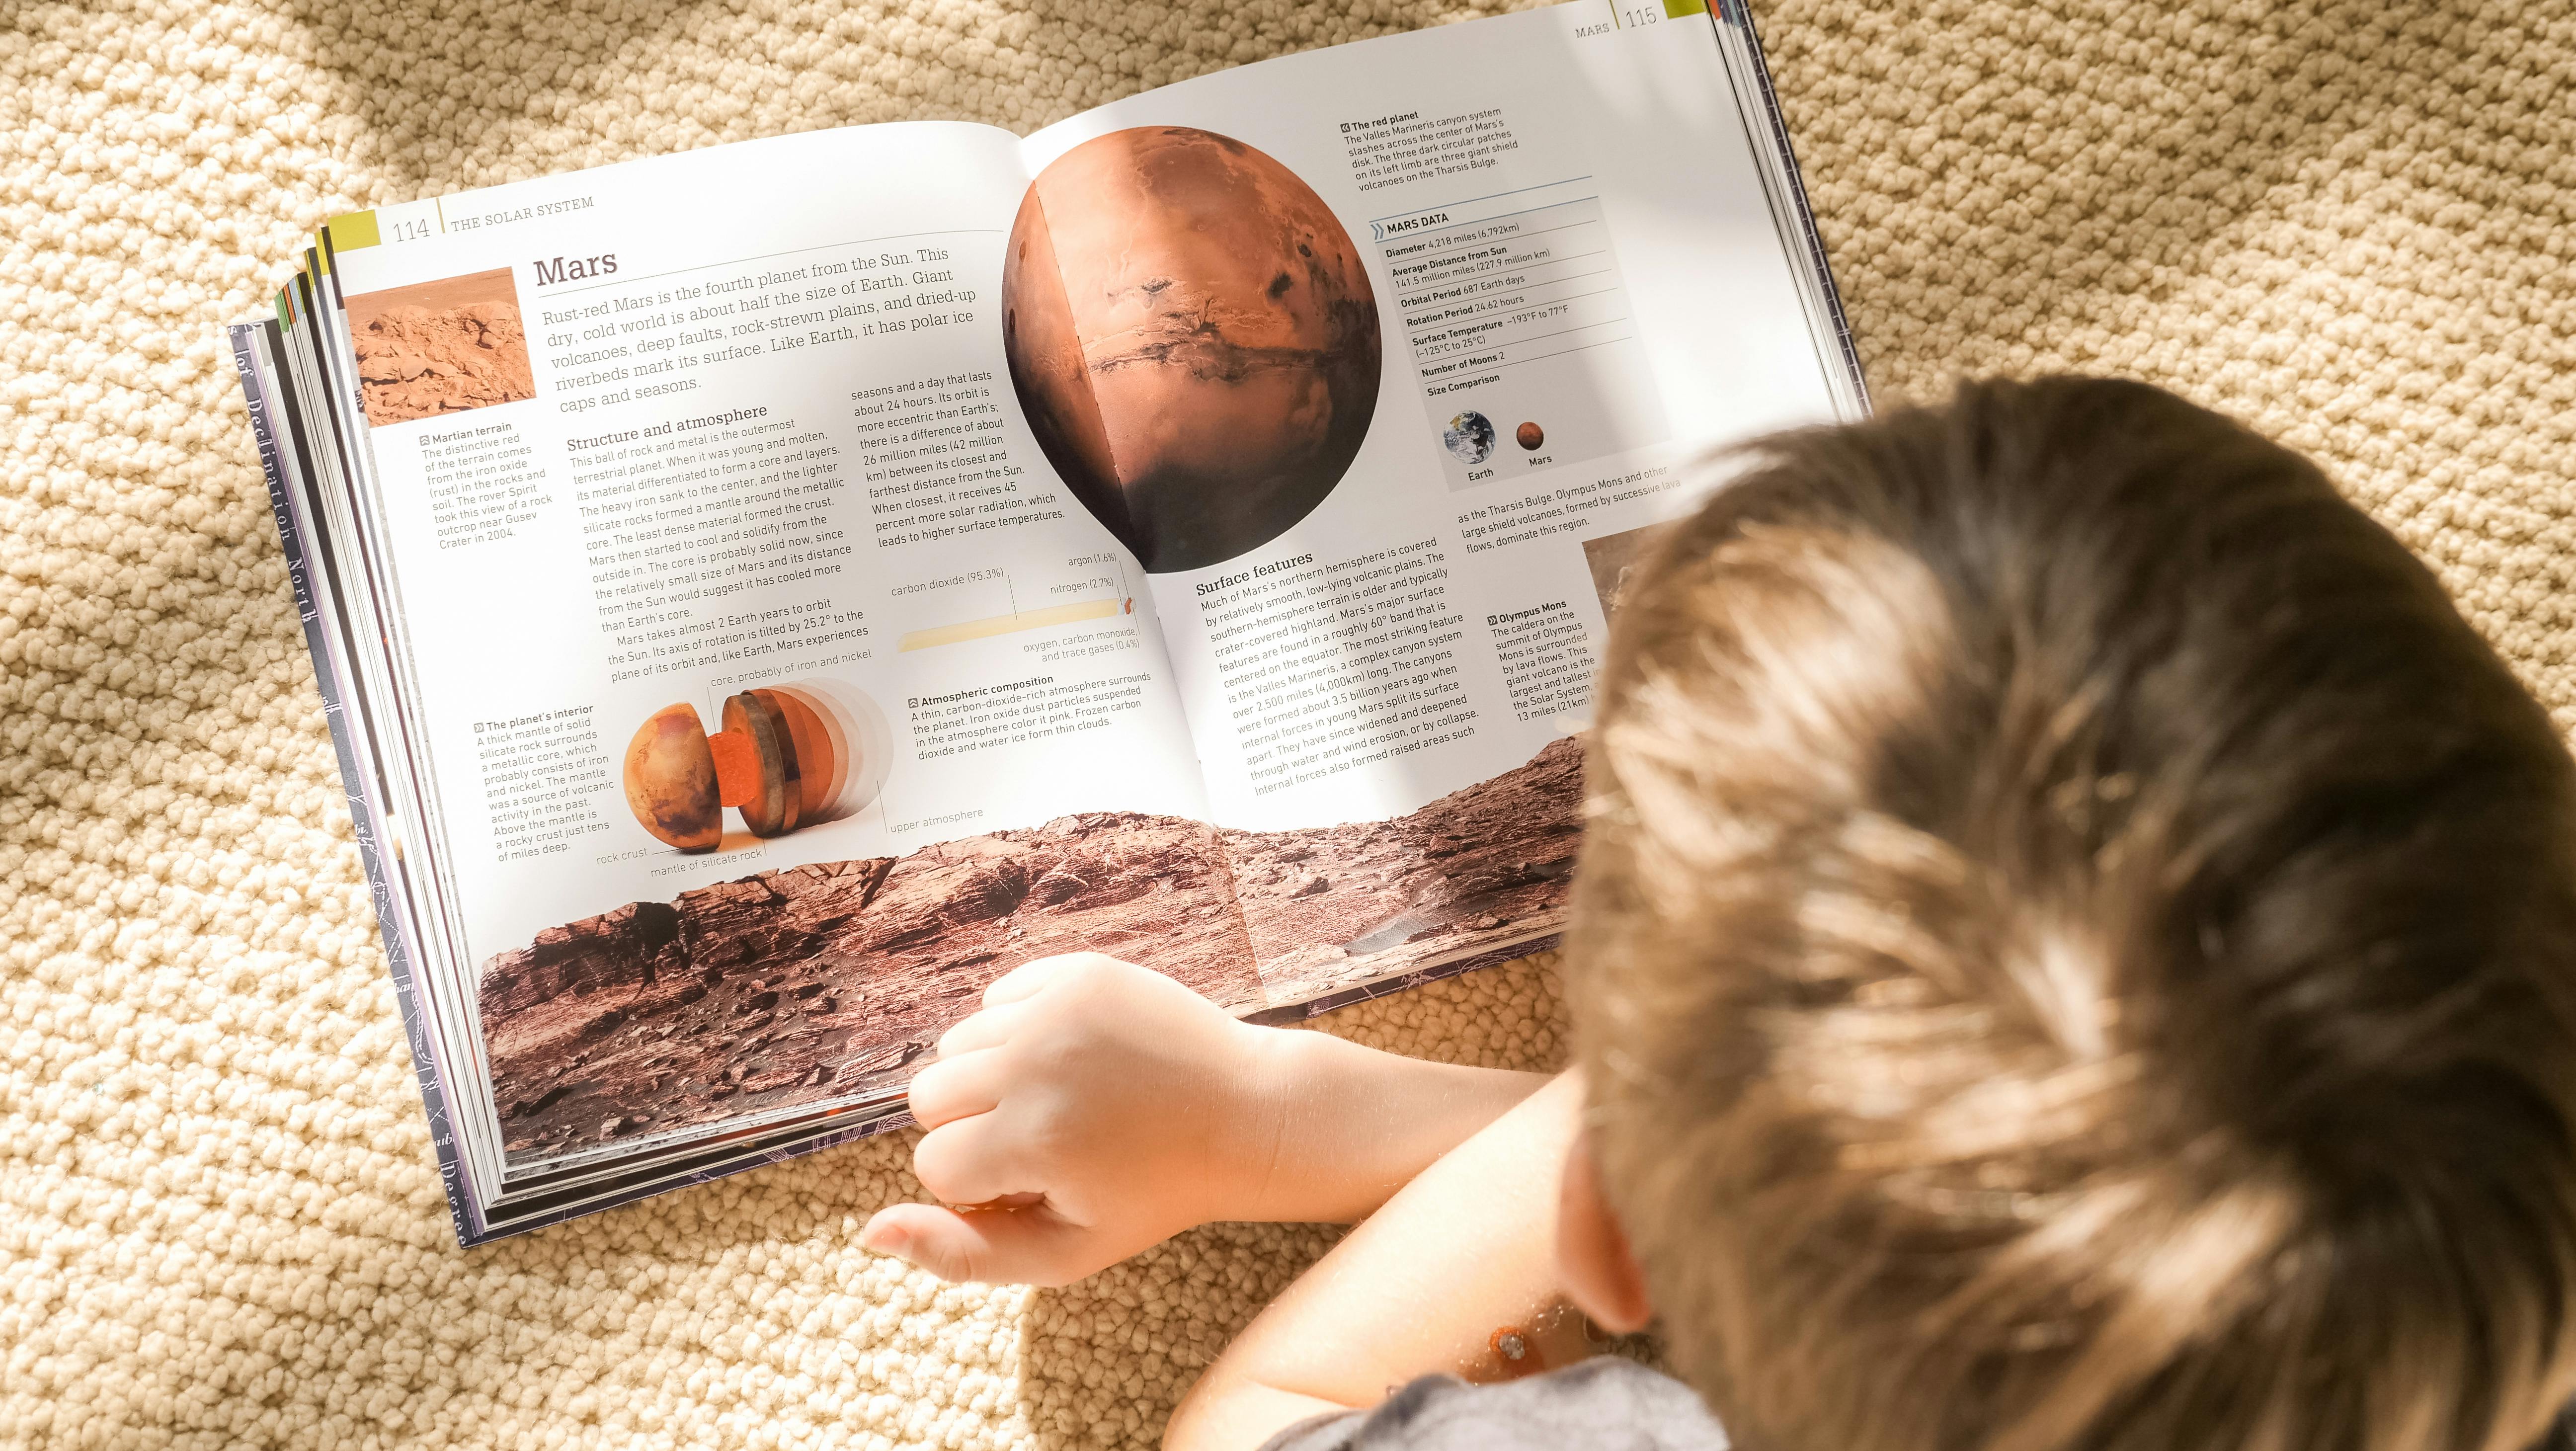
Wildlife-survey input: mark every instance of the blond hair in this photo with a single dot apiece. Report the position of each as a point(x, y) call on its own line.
point(2076, 947)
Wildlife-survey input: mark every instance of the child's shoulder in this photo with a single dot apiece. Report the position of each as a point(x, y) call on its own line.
point(1606, 1403)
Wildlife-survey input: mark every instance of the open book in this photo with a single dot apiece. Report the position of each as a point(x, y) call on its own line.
point(765, 593)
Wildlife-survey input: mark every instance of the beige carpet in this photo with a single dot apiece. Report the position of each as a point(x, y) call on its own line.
point(2354, 224)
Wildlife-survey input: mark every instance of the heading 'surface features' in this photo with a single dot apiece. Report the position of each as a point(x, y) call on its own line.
point(1193, 337)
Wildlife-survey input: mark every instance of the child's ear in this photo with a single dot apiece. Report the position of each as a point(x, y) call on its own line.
point(1601, 1276)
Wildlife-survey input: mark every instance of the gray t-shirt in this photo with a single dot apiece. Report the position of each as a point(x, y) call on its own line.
point(1605, 1403)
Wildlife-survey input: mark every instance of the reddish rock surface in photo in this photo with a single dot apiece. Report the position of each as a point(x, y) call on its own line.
point(1333, 906)
point(419, 362)
point(814, 984)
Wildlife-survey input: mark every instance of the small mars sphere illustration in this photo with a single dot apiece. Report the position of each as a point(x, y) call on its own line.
point(1531, 437)
point(788, 756)
point(1193, 337)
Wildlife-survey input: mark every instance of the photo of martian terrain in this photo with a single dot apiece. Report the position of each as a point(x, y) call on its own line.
point(1332, 906)
point(818, 982)
point(1193, 337)
point(440, 347)
point(1613, 560)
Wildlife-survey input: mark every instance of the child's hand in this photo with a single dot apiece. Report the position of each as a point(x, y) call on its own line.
point(1092, 1109)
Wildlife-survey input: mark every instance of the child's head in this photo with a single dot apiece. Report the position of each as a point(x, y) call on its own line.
point(2076, 947)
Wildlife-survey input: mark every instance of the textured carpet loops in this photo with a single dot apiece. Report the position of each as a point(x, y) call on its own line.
point(220, 1221)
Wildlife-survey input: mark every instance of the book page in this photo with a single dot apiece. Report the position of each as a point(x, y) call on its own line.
point(761, 667)
point(1386, 361)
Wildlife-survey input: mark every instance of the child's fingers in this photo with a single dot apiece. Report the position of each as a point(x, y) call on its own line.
point(1031, 977)
point(993, 1246)
point(957, 1086)
point(973, 1161)
point(986, 1029)
point(1045, 972)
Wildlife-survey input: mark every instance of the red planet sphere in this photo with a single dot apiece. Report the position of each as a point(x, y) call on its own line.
point(1193, 338)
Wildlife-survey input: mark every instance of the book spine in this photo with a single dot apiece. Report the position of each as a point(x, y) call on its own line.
point(255, 384)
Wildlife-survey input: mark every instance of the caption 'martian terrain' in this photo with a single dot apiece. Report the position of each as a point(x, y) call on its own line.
point(814, 983)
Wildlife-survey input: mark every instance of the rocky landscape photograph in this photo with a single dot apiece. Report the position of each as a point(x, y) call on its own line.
point(1613, 560)
point(440, 347)
point(814, 984)
point(1330, 907)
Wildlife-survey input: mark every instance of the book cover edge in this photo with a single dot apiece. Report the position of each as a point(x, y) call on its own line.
point(432, 1082)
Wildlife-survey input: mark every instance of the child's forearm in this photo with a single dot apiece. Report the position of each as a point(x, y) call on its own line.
point(1465, 1250)
point(1352, 1125)
point(1093, 1108)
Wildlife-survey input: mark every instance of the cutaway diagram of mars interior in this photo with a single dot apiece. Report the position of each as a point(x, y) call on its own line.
point(1193, 338)
point(784, 757)
point(805, 986)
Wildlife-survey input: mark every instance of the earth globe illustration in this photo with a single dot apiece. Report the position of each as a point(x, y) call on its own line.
point(1470, 436)
point(1193, 337)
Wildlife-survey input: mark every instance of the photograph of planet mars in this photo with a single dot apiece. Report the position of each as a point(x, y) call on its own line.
point(440, 347)
point(1193, 337)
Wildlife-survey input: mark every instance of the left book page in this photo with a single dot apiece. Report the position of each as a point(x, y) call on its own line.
point(725, 606)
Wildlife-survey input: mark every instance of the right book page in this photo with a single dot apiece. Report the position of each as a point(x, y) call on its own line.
point(1387, 361)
